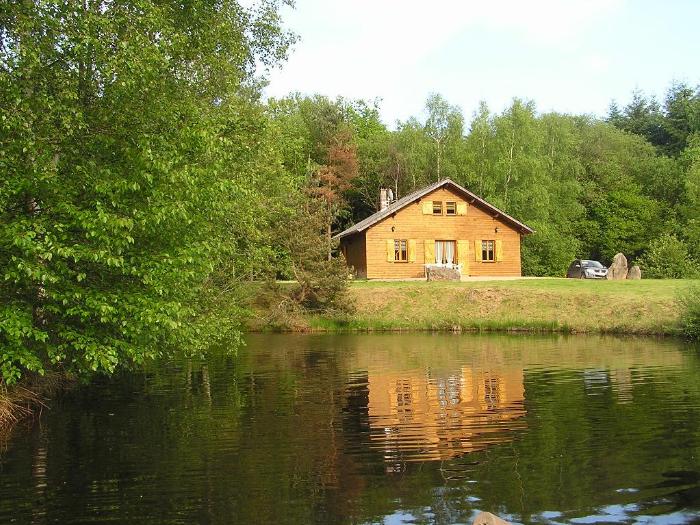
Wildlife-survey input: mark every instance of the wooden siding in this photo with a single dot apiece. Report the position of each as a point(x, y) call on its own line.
point(353, 248)
point(410, 223)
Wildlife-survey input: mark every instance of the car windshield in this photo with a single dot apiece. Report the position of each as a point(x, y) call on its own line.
point(592, 264)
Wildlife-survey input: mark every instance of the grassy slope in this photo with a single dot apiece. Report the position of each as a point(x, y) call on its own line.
point(567, 305)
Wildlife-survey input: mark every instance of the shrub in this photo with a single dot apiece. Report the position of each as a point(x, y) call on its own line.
point(322, 282)
point(690, 315)
point(668, 258)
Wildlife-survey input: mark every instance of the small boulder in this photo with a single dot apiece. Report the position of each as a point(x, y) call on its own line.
point(486, 518)
point(618, 268)
point(634, 273)
point(436, 273)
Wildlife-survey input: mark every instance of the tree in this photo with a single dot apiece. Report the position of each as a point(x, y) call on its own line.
point(681, 117)
point(444, 123)
point(322, 282)
point(689, 203)
point(331, 180)
point(614, 114)
point(126, 142)
point(379, 162)
point(642, 116)
point(414, 145)
point(479, 144)
point(668, 258)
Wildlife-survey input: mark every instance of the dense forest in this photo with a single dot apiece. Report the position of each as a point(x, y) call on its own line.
point(591, 187)
point(145, 179)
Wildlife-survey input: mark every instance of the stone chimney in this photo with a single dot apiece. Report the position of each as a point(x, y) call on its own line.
point(384, 199)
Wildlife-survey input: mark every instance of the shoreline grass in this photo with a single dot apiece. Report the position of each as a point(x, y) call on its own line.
point(643, 307)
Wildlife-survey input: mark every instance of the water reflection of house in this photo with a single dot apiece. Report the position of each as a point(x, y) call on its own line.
point(600, 381)
point(417, 416)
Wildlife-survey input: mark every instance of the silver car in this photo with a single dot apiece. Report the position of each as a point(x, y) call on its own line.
point(585, 269)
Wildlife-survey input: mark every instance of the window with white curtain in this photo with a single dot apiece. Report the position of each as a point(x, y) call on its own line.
point(445, 252)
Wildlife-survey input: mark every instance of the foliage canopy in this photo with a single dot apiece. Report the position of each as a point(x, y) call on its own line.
point(128, 138)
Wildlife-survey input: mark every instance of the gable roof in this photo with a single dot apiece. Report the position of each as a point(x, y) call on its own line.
point(411, 197)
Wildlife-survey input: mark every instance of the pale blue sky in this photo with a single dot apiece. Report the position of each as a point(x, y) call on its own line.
point(566, 56)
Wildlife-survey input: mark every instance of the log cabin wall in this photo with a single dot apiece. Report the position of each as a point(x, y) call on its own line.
point(411, 223)
point(353, 248)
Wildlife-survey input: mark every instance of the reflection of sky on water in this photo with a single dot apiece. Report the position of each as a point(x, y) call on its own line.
point(628, 514)
point(622, 514)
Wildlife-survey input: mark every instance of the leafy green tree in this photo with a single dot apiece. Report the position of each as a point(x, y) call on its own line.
point(552, 205)
point(127, 137)
point(518, 164)
point(689, 203)
point(681, 117)
point(443, 125)
point(479, 145)
point(415, 147)
point(627, 222)
point(619, 216)
point(379, 161)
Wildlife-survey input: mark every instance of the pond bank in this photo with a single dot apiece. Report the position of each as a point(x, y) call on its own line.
point(646, 307)
point(26, 399)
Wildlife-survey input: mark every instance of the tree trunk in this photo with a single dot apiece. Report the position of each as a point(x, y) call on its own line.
point(328, 237)
point(483, 161)
point(510, 168)
point(438, 159)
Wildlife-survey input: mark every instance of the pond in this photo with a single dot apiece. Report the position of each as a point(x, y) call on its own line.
point(391, 428)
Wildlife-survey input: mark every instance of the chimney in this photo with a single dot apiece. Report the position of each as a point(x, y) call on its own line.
point(383, 199)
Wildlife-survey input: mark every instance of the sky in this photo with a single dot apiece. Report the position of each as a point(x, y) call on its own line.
point(566, 56)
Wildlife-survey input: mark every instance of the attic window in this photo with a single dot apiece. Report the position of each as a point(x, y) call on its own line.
point(450, 208)
point(437, 207)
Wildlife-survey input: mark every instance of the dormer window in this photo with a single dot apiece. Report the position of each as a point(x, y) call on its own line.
point(450, 208)
point(437, 207)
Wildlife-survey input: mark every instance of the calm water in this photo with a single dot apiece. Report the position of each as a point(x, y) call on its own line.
point(374, 429)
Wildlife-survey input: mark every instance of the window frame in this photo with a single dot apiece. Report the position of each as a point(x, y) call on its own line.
point(437, 203)
point(454, 208)
point(485, 245)
point(398, 245)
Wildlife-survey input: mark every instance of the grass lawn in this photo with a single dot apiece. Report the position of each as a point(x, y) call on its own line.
point(646, 306)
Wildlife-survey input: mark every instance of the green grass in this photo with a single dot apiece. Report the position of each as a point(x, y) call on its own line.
point(533, 305)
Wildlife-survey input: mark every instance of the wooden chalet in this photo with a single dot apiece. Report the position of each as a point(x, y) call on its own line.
point(442, 225)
